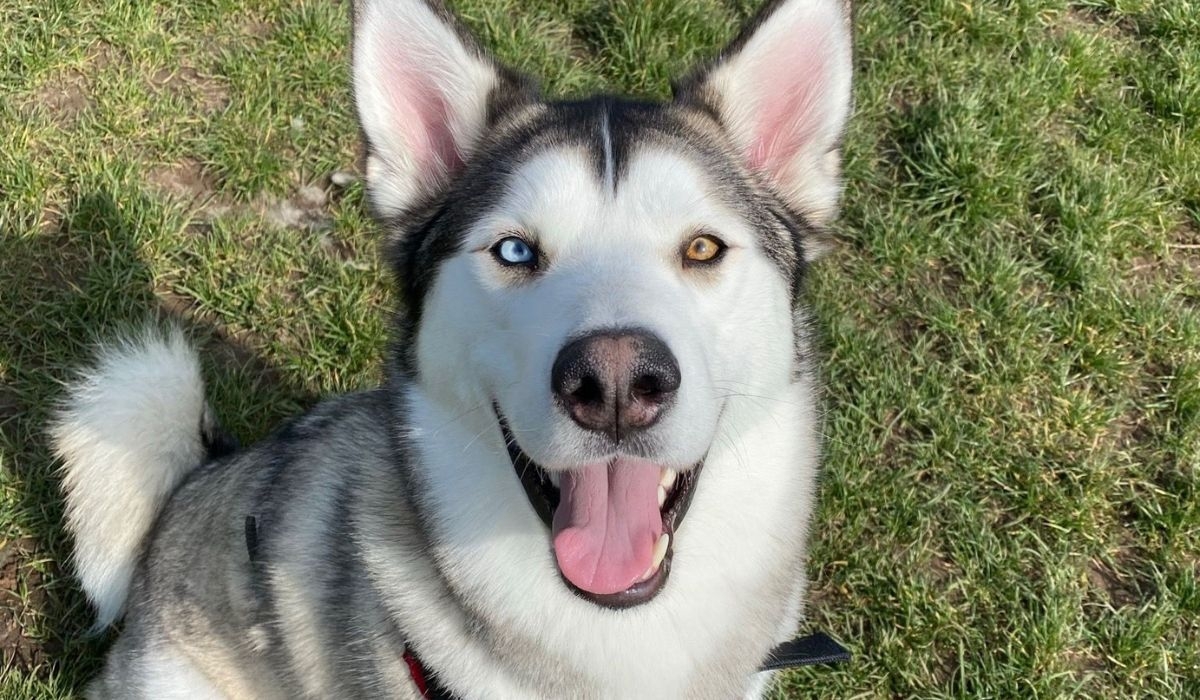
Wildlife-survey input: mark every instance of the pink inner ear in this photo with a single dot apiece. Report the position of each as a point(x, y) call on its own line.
point(788, 114)
point(422, 118)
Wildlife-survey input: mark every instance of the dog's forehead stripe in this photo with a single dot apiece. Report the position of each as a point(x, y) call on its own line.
point(610, 183)
point(630, 128)
point(624, 128)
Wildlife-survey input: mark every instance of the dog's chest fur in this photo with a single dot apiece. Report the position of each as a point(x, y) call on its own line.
point(344, 575)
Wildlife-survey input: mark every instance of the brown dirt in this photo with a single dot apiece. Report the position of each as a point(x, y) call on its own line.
point(337, 248)
point(207, 92)
point(307, 210)
point(1117, 586)
point(943, 569)
point(186, 180)
point(1090, 22)
point(190, 184)
point(256, 27)
point(64, 98)
point(1081, 662)
point(68, 95)
point(1178, 266)
point(50, 219)
point(1185, 249)
point(21, 600)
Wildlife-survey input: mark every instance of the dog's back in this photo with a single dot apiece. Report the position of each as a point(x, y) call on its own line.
point(251, 583)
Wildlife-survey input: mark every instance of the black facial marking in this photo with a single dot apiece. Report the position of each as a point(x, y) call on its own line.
point(610, 131)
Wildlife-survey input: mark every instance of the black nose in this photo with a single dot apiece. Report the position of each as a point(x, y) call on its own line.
point(615, 382)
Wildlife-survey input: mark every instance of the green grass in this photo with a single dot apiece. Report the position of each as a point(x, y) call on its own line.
point(1011, 502)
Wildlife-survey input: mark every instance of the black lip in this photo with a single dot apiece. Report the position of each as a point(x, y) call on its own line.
point(544, 497)
point(542, 493)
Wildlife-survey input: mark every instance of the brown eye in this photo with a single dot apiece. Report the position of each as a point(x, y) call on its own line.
point(703, 249)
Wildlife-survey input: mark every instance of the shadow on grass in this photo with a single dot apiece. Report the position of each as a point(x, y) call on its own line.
point(61, 289)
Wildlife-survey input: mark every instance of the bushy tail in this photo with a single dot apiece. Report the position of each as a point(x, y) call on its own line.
point(131, 427)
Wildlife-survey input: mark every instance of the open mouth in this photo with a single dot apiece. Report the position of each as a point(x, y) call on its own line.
point(612, 523)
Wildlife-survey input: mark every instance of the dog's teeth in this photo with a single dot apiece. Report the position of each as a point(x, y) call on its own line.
point(660, 549)
point(660, 553)
point(662, 496)
point(668, 479)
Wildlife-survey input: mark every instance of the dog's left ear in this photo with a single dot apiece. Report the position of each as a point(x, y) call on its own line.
point(782, 92)
point(425, 92)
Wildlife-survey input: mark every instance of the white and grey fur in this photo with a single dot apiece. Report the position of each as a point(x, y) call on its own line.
point(392, 518)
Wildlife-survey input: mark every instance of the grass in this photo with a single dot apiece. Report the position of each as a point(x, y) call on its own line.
point(1011, 503)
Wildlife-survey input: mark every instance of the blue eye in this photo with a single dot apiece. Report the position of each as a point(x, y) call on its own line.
point(514, 251)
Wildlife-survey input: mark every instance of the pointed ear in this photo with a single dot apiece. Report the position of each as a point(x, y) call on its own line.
point(425, 91)
point(782, 92)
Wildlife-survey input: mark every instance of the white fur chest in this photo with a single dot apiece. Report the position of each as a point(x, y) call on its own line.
point(496, 611)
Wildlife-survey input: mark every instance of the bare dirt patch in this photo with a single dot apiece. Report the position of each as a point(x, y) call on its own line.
point(189, 183)
point(946, 576)
point(1130, 430)
point(21, 600)
point(208, 93)
point(50, 219)
point(1082, 662)
point(186, 179)
point(1177, 267)
point(63, 98)
point(101, 56)
point(307, 209)
point(1184, 249)
point(1117, 582)
point(256, 27)
point(338, 249)
point(1091, 22)
point(66, 96)
point(942, 568)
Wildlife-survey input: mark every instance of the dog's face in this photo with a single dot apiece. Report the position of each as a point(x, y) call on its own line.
point(602, 276)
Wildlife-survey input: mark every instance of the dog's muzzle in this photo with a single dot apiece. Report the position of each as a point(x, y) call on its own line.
point(655, 500)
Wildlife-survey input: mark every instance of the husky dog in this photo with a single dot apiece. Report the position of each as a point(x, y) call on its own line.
point(590, 469)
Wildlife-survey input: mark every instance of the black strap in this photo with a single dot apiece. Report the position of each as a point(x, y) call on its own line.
point(816, 648)
point(251, 529)
point(435, 690)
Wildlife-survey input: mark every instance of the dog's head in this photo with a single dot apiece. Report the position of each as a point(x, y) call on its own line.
point(602, 275)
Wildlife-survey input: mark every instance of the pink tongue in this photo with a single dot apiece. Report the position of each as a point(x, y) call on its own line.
point(607, 523)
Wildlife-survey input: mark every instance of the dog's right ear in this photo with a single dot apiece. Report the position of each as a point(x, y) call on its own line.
point(782, 92)
point(425, 91)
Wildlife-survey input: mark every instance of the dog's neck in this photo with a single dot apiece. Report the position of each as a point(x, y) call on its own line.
point(459, 528)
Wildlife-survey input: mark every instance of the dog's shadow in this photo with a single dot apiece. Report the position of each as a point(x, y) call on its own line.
point(66, 282)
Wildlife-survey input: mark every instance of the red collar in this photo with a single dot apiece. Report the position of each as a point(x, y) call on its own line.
point(417, 671)
point(427, 683)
